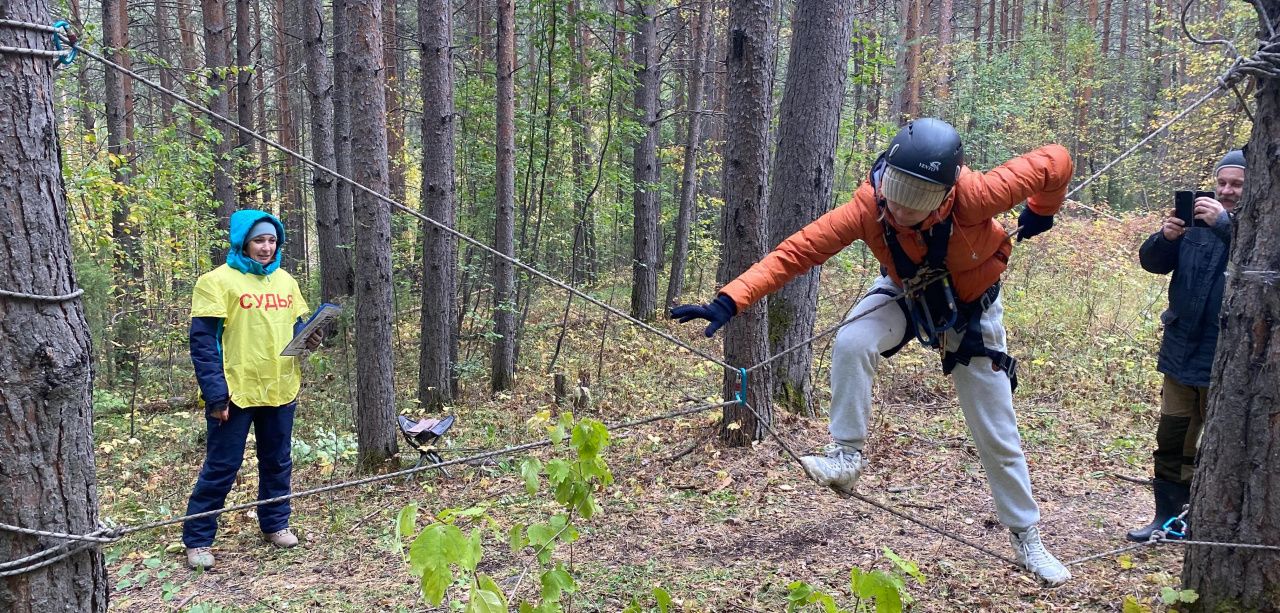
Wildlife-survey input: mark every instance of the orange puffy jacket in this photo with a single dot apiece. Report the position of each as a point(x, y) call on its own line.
point(977, 253)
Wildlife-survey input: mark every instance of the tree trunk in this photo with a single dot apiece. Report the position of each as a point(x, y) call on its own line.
point(164, 50)
point(945, 33)
point(1233, 496)
point(907, 102)
point(118, 104)
point(335, 267)
point(807, 129)
point(342, 35)
point(584, 227)
point(745, 221)
point(217, 54)
point(395, 111)
point(504, 282)
point(375, 396)
point(688, 211)
point(439, 249)
point(291, 212)
point(46, 406)
point(644, 169)
point(244, 149)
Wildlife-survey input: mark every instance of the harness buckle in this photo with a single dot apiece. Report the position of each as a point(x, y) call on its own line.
point(929, 330)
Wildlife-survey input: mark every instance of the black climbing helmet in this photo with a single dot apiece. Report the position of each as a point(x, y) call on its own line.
point(927, 148)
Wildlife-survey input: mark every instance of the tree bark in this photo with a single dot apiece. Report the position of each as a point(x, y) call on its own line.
point(244, 149)
point(375, 396)
point(644, 169)
point(342, 35)
point(439, 346)
point(745, 222)
point(807, 129)
point(688, 211)
point(502, 360)
point(1233, 496)
point(47, 478)
point(395, 110)
point(584, 227)
point(217, 54)
point(292, 213)
point(945, 33)
point(335, 267)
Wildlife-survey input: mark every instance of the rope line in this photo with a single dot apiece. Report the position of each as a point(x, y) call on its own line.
point(875, 503)
point(110, 535)
point(35, 27)
point(405, 209)
point(41, 298)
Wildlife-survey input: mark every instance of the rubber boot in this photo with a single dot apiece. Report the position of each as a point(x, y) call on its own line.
point(1170, 498)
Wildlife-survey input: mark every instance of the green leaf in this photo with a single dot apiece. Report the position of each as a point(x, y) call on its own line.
point(436, 578)
point(1188, 596)
point(406, 521)
point(906, 566)
point(663, 598)
point(558, 472)
point(517, 539)
point(486, 597)
point(530, 469)
point(554, 582)
point(1168, 595)
point(798, 593)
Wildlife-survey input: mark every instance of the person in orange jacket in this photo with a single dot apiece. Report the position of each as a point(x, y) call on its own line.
point(929, 220)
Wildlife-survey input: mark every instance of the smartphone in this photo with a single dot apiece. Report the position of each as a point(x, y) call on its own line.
point(1184, 205)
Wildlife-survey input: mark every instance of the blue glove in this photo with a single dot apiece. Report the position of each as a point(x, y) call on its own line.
point(1031, 223)
point(718, 312)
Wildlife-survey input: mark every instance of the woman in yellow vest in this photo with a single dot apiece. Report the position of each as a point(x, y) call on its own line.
point(243, 313)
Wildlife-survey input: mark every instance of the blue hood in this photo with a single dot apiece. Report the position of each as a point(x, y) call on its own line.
point(241, 222)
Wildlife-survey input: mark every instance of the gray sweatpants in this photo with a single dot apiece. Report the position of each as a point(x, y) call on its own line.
point(985, 397)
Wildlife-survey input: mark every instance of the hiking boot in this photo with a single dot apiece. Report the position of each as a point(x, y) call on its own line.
point(200, 558)
point(838, 468)
point(281, 538)
point(1170, 498)
point(1034, 557)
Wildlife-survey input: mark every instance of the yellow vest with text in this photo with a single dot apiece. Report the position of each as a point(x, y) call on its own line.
point(258, 313)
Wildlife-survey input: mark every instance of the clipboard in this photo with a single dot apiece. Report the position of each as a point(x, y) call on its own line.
point(323, 315)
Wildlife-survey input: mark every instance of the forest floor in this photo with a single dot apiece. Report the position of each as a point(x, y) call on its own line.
point(720, 529)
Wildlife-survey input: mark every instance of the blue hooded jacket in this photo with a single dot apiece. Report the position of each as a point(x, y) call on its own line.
point(206, 332)
point(241, 222)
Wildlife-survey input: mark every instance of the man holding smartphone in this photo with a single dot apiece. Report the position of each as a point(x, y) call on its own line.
point(1195, 250)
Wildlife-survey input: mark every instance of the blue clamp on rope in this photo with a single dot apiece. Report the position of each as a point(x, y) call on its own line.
point(741, 394)
point(57, 43)
point(1170, 532)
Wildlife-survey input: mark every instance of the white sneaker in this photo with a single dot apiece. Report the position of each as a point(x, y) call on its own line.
point(281, 538)
point(199, 558)
point(838, 468)
point(1035, 558)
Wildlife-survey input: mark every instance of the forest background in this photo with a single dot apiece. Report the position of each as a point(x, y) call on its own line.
point(616, 184)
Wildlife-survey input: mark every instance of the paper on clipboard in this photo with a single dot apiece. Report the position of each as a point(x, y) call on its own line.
point(323, 315)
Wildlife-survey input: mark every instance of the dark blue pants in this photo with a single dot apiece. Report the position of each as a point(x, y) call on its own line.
point(273, 429)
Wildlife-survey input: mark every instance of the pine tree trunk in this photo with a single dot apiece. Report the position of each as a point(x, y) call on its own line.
point(439, 344)
point(395, 112)
point(217, 55)
point(945, 33)
point(644, 169)
point(1233, 497)
point(118, 104)
point(745, 222)
point(583, 229)
point(164, 50)
point(502, 361)
point(688, 211)
point(244, 148)
point(342, 35)
point(807, 129)
point(375, 396)
point(335, 267)
point(46, 406)
point(291, 212)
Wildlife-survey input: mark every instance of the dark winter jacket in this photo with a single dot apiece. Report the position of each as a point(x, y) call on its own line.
point(1198, 262)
